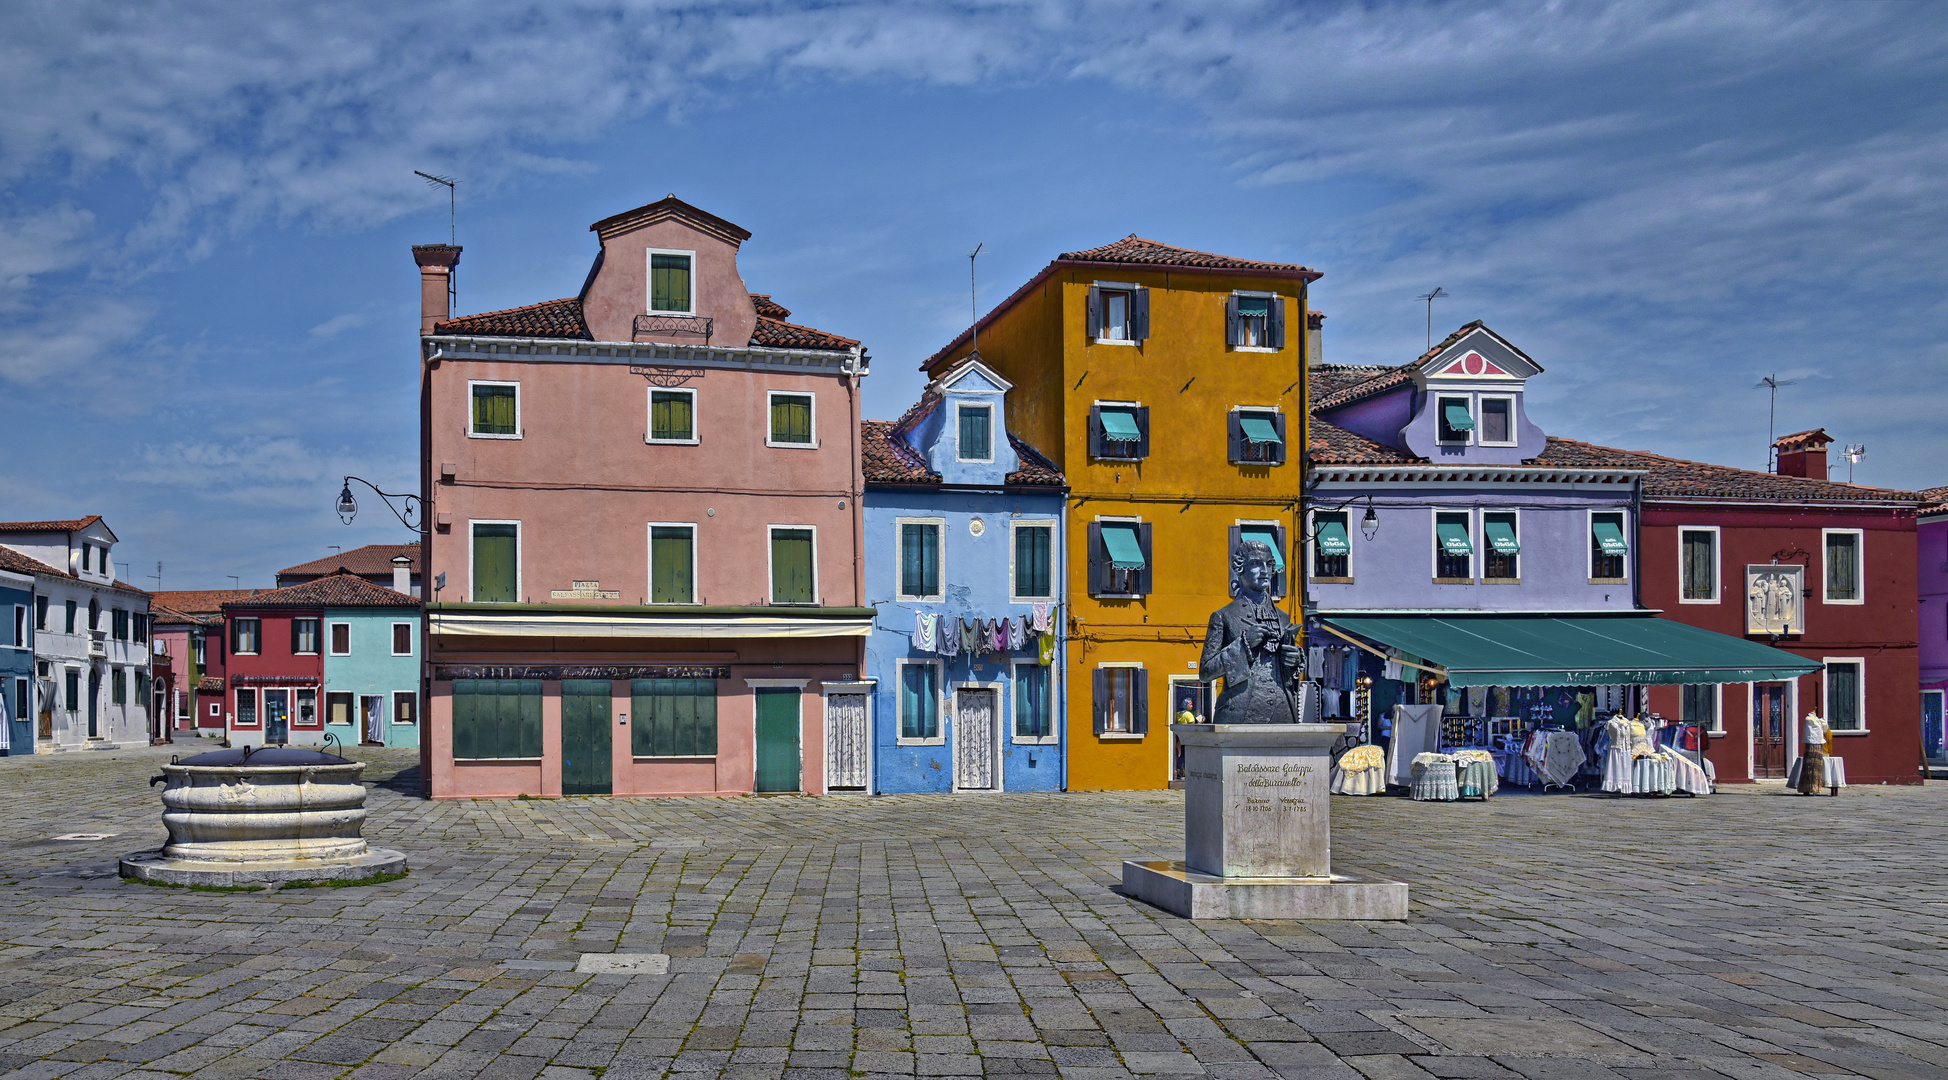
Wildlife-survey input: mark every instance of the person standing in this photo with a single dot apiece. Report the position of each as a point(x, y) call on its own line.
point(1813, 734)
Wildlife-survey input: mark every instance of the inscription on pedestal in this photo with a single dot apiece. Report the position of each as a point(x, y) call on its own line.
point(1254, 808)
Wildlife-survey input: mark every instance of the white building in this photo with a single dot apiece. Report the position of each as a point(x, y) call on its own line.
point(91, 683)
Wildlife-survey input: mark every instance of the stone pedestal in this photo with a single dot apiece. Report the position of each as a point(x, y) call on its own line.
point(1258, 831)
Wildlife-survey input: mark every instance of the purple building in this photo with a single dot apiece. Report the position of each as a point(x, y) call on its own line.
point(1933, 530)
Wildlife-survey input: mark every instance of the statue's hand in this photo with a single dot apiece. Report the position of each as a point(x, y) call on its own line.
point(1293, 656)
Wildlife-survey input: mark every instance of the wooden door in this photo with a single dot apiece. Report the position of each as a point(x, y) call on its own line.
point(1768, 730)
point(845, 741)
point(586, 765)
point(777, 739)
point(974, 740)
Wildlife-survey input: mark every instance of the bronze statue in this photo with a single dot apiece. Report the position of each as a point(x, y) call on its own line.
point(1253, 646)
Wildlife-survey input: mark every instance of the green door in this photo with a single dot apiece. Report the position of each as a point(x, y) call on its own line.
point(777, 739)
point(585, 761)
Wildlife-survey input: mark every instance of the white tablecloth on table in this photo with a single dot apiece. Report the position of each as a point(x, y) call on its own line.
point(1836, 772)
point(1652, 776)
point(1434, 781)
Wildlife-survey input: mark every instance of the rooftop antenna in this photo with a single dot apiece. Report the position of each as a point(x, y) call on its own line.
point(1855, 451)
point(452, 227)
point(1430, 298)
point(1772, 383)
point(158, 574)
point(233, 582)
point(973, 304)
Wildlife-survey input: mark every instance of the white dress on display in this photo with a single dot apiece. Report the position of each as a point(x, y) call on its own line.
point(1617, 755)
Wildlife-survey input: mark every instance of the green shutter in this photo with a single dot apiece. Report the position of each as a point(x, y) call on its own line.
point(974, 441)
point(674, 717)
point(1033, 565)
point(791, 566)
point(919, 559)
point(670, 415)
point(671, 556)
point(669, 283)
point(493, 410)
point(495, 557)
point(791, 418)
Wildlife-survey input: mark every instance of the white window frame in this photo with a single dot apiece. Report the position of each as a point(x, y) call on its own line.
point(1717, 563)
point(649, 416)
point(1516, 511)
point(330, 629)
point(257, 639)
point(817, 597)
point(392, 717)
point(1121, 736)
point(1859, 567)
point(1589, 546)
point(256, 720)
point(1129, 290)
point(768, 441)
point(939, 702)
point(410, 627)
point(1860, 693)
point(1054, 735)
point(1273, 412)
point(518, 430)
point(649, 287)
point(1717, 726)
point(986, 407)
point(649, 554)
point(1312, 539)
point(1440, 416)
point(1147, 556)
point(1434, 544)
point(1271, 298)
point(1054, 526)
point(1514, 434)
point(520, 562)
point(899, 559)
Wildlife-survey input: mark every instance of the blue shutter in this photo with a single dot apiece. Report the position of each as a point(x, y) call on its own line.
point(1140, 314)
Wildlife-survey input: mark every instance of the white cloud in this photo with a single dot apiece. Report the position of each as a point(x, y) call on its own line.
point(337, 325)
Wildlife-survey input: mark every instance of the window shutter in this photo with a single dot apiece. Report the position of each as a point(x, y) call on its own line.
point(1278, 425)
point(1143, 576)
point(1275, 323)
point(1231, 552)
point(295, 623)
point(1140, 314)
point(1100, 702)
point(1095, 327)
point(530, 705)
point(1143, 426)
point(1234, 437)
point(1095, 431)
point(1098, 560)
point(1278, 579)
point(1140, 694)
point(463, 720)
point(1231, 320)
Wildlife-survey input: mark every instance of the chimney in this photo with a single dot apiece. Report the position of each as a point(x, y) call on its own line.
point(1803, 453)
point(402, 574)
point(436, 263)
point(1315, 345)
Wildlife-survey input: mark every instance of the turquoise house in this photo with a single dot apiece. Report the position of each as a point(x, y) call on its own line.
point(372, 651)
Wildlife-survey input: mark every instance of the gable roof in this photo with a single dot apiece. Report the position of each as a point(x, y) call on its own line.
point(548, 319)
point(339, 589)
point(370, 559)
point(22, 564)
point(665, 208)
point(1331, 444)
point(887, 458)
point(1676, 478)
point(69, 526)
point(1351, 384)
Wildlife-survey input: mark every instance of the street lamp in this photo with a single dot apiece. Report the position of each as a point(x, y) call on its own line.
point(1370, 524)
point(409, 510)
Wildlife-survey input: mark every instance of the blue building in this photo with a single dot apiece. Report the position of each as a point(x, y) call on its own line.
point(16, 661)
point(371, 662)
point(962, 553)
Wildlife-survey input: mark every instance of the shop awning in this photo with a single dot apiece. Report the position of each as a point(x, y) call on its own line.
point(1501, 537)
point(1259, 430)
point(1268, 536)
point(1458, 418)
point(1454, 538)
point(1119, 425)
point(1125, 553)
point(1610, 538)
point(1574, 650)
point(1332, 537)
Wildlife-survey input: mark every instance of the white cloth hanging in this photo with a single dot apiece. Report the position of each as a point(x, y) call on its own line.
point(1416, 730)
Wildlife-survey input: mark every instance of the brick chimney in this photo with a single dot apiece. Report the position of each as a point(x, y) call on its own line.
point(1315, 343)
point(436, 263)
point(1803, 453)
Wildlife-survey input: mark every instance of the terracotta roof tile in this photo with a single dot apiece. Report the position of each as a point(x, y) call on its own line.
point(22, 564)
point(1036, 469)
point(1345, 385)
point(548, 319)
point(370, 559)
point(1677, 478)
point(201, 601)
point(75, 525)
point(1135, 249)
point(1803, 440)
point(779, 334)
point(885, 458)
point(1334, 445)
point(1937, 497)
point(769, 308)
point(164, 615)
point(210, 684)
point(341, 589)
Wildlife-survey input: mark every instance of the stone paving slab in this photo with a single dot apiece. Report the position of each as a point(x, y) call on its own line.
point(1754, 935)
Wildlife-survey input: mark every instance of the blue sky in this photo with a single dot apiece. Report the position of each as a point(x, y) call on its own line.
point(208, 307)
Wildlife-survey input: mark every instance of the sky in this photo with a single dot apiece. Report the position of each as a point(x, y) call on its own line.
point(208, 308)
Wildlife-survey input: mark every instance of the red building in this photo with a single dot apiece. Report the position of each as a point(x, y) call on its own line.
point(190, 624)
point(275, 666)
point(1821, 569)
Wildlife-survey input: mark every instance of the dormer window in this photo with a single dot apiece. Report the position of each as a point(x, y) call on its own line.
point(1497, 427)
point(1456, 420)
point(672, 284)
point(976, 433)
point(87, 556)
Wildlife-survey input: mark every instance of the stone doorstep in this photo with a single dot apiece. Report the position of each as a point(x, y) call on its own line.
point(1176, 888)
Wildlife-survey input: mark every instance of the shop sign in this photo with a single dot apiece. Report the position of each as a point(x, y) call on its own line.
point(1773, 599)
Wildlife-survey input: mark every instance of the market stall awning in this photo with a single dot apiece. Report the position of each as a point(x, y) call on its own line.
point(1573, 650)
point(653, 621)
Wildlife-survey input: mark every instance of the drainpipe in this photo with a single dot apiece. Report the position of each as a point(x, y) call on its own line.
point(1636, 542)
point(855, 485)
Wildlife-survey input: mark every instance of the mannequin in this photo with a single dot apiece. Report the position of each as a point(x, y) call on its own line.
point(1813, 734)
point(1615, 743)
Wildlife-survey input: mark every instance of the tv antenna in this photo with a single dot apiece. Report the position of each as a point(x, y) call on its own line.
point(1772, 383)
point(452, 228)
point(1855, 451)
point(1430, 298)
point(158, 574)
point(973, 303)
point(233, 582)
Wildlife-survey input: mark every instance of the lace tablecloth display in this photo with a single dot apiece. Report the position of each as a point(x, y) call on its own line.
point(1361, 770)
point(1475, 774)
point(1434, 779)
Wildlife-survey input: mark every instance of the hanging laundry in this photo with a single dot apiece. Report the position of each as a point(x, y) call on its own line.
point(922, 631)
point(1315, 662)
point(1017, 632)
point(948, 639)
point(970, 637)
point(1045, 649)
point(1041, 614)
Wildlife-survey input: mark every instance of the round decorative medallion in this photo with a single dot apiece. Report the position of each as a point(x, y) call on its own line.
point(976, 526)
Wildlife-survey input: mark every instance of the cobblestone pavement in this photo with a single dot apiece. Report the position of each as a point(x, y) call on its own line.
point(1750, 935)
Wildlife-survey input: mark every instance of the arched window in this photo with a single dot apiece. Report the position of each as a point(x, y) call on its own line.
point(94, 613)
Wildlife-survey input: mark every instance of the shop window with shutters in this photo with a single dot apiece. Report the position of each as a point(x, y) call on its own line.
point(402, 638)
point(246, 708)
point(1119, 557)
point(1843, 579)
point(1118, 313)
point(1454, 421)
point(793, 419)
point(496, 562)
point(1255, 321)
point(496, 410)
point(794, 568)
point(338, 709)
point(1332, 548)
point(1454, 550)
point(919, 702)
point(304, 637)
point(673, 718)
point(976, 442)
point(1501, 554)
point(1119, 431)
point(1272, 535)
point(1034, 703)
point(1608, 549)
point(405, 707)
point(1497, 421)
point(1256, 436)
point(1845, 706)
point(246, 636)
point(672, 415)
point(672, 282)
point(672, 563)
point(1701, 706)
point(1122, 701)
point(920, 558)
point(496, 718)
point(1698, 565)
point(1032, 568)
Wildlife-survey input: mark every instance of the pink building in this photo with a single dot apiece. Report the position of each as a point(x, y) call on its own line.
point(643, 572)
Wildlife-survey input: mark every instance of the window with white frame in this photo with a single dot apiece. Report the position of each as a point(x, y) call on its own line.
point(1454, 550)
point(405, 707)
point(672, 282)
point(919, 692)
point(1701, 706)
point(495, 410)
point(793, 419)
point(1842, 565)
point(1034, 703)
point(1496, 424)
point(1332, 549)
point(1501, 545)
point(672, 415)
point(246, 636)
point(794, 565)
point(1031, 565)
point(920, 575)
point(402, 638)
point(246, 708)
point(1846, 705)
point(1118, 313)
point(496, 562)
point(672, 562)
point(1121, 700)
point(1255, 320)
point(1454, 420)
point(1608, 548)
point(304, 637)
point(976, 432)
point(341, 639)
point(1698, 565)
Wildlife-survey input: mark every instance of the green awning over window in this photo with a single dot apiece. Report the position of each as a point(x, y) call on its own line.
point(1258, 429)
point(1501, 537)
point(1268, 536)
point(1610, 538)
point(1125, 553)
point(1578, 650)
point(1119, 425)
point(1458, 418)
point(1332, 537)
point(1454, 538)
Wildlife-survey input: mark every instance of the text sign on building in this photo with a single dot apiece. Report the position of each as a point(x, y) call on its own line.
point(585, 590)
point(1774, 599)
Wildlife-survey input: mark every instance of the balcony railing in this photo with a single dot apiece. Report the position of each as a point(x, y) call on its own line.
point(672, 326)
point(98, 644)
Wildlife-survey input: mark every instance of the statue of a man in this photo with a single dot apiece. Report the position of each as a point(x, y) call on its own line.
point(1253, 646)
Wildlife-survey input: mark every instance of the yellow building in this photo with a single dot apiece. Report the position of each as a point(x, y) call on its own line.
point(1169, 385)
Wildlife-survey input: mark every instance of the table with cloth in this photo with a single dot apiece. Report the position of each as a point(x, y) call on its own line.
point(1434, 778)
point(1474, 772)
point(1653, 774)
point(1361, 770)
